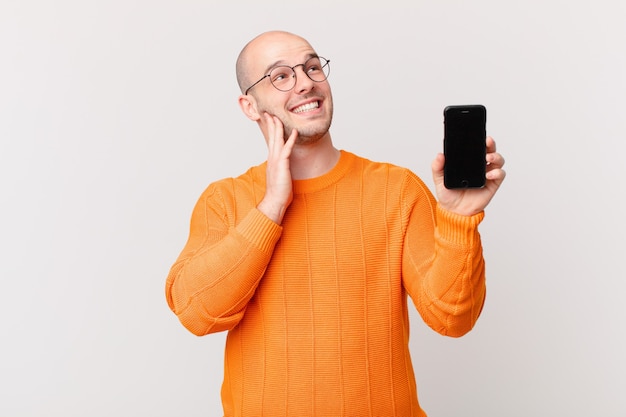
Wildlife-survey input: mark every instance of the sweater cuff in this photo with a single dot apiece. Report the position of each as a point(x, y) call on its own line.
point(458, 228)
point(259, 230)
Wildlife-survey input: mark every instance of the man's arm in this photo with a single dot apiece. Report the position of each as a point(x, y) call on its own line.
point(443, 269)
point(443, 266)
point(217, 272)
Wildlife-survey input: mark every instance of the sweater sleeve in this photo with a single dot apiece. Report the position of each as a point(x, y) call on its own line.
point(222, 263)
point(443, 266)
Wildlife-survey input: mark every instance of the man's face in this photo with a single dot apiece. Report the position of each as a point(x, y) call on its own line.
point(308, 107)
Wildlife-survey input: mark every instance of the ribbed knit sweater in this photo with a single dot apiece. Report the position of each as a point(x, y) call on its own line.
point(316, 308)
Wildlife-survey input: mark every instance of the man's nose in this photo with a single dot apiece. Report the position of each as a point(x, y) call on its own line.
point(303, 82)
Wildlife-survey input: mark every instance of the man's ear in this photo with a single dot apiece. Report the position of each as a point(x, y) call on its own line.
point(247, 103)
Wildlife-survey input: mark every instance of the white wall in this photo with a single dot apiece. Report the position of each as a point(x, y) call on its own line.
point(114, 116)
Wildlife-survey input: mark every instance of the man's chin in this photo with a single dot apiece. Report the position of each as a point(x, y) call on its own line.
point(311, 136)
point(310, 133)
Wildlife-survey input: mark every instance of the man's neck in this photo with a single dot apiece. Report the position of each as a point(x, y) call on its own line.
point(313, 159)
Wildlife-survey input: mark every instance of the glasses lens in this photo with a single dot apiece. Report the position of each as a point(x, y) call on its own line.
point(317, 68)
point(283, 78)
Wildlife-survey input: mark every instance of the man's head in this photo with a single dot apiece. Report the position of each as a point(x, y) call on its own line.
point(306, 105)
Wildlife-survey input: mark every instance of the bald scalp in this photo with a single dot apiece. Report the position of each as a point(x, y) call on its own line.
point(242, 67)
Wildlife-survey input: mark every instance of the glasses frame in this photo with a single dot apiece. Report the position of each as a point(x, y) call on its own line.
point(327, 64)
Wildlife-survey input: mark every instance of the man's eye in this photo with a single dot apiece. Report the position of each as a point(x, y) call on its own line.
point(280, 76)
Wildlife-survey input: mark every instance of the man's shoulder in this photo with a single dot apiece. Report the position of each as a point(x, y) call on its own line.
point(394, 178)
point(375, 167)
point(253, 177)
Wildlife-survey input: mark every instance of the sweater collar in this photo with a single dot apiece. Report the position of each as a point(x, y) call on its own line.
point(311, 185)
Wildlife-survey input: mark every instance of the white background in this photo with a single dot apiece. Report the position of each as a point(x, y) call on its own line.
point(115, 115)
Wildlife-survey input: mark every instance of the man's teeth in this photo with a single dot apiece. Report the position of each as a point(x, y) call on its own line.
point(306, 107)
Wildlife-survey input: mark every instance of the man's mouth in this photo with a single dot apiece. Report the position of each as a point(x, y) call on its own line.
point(307, 107)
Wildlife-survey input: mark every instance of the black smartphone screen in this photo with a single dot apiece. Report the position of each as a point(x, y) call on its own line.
point(464, 146)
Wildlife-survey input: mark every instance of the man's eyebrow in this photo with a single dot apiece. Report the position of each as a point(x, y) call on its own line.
point(282, 62)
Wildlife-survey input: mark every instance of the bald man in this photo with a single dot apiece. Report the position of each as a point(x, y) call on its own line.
point(308, 259)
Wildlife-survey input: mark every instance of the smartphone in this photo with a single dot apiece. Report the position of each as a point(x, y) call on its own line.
point(464, 146)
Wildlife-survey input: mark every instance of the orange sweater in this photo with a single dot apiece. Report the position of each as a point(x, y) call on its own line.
point(316, 309)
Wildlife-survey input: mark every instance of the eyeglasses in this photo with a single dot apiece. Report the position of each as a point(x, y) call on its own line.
point(283, 77)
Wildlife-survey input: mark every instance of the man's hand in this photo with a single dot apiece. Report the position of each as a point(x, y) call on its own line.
point(470, 201)
point(279, 186)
